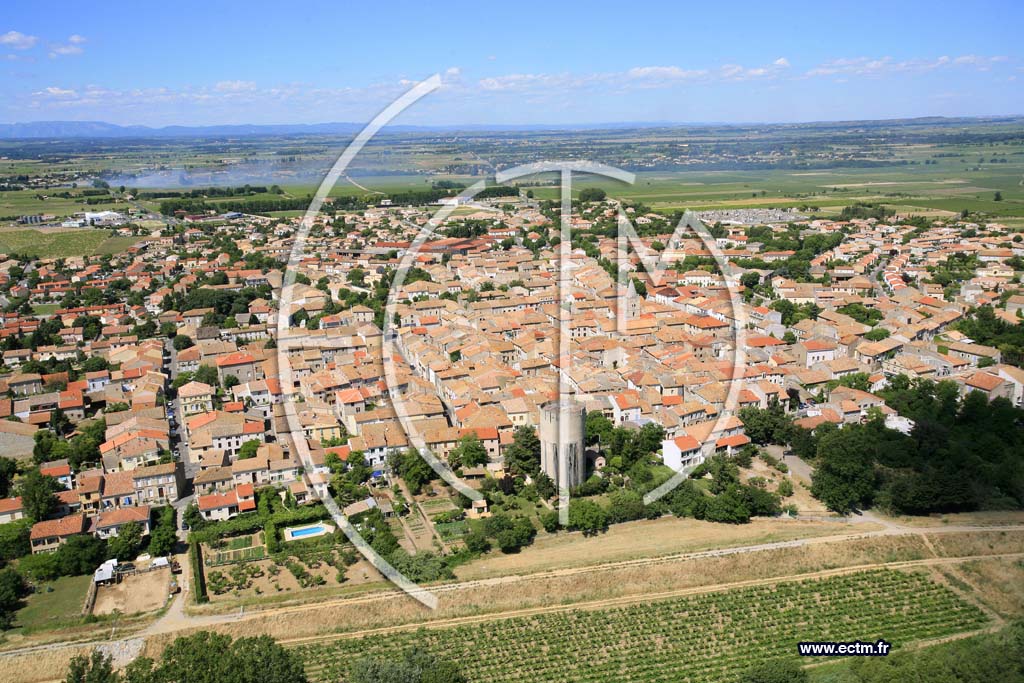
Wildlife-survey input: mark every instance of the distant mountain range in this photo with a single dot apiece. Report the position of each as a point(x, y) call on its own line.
point(100, 129)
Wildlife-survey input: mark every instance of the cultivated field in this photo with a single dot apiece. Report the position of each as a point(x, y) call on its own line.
point(709, 637)
point(57, 243)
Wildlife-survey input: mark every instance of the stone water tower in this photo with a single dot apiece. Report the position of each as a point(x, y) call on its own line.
point(562, 454)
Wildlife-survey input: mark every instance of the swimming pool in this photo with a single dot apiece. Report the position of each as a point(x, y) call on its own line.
point(308, 531)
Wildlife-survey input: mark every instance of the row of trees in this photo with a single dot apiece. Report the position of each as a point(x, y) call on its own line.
point(206, 657)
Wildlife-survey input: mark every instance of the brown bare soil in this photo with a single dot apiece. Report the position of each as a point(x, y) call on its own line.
point(138, 593)
point(285, 584)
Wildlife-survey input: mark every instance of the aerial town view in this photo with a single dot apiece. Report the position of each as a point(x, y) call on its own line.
point(480, 344)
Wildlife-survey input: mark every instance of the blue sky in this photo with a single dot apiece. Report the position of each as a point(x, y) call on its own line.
point(213, 62)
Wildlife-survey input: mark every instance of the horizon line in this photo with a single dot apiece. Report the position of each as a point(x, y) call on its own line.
point(128, 127)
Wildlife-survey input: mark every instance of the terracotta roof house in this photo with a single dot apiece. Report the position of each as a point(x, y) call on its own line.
point(49, 535)
point(108, 524)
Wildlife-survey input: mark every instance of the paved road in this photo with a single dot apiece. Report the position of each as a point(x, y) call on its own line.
point(873, 276)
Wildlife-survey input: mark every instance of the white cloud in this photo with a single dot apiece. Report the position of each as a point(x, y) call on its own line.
point(522, 81)
point(876, 66)
point(222, 101)
point(234, 86)
point(664, 72)
point(645, 77)
point(71, 48)
point(54, 91)
point(17, 40)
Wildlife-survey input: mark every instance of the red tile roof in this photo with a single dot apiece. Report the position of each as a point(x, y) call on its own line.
point(686, 443)
point(65, 526)
point(237, 358)
point(123, 516)
point(213, 501)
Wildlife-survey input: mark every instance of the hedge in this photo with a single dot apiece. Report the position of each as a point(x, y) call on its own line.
point(251, 522)
point(270, 538)
point(198, 578)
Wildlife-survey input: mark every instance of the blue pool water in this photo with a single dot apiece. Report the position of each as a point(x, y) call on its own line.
point(306, 531)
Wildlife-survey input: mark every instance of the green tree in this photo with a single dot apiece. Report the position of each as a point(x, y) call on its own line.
point(164, 537)
point(844, 478)
point(94, 668)
point(40, 567)
point(125, 546)
point(728, 506)
point(14, 540)
point(469, 453)
point(413, 469)
point(587, 516)
point(207, 374)
point(8, 468)
point(509, 533)
point(625, 506)
point(214, 658)
point(248, 449)
point(38, 497)
point(357, 277)
point(12, 589)
point(523, 454)
point(598, 428)
point(182, 342)
point(770, 425)
point(724, 473)
point(80, 554)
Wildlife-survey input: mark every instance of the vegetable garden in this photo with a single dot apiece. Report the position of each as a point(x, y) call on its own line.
point(710, 637)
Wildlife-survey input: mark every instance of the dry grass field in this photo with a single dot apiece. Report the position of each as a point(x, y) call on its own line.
point(648, 538)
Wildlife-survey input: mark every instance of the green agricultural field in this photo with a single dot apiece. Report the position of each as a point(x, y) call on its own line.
point(710, 637)
point(54, 604)
point(36, 202)
point(62, 243)
point(944, 187)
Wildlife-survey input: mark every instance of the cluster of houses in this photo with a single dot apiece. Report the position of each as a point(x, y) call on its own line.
point(476, 350)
